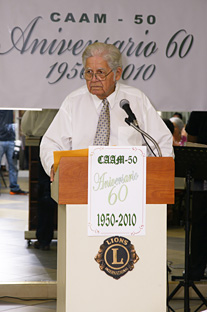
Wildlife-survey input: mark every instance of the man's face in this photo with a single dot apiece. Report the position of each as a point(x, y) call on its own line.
point(101, 88)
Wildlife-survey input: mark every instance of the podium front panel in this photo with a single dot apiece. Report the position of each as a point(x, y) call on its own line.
point(82, 286)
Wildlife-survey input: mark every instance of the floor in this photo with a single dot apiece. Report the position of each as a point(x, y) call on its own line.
point(21, 262)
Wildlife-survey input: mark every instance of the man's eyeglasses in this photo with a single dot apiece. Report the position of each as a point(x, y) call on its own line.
point(99, 75)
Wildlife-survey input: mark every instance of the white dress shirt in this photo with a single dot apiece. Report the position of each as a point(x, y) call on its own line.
point(74, 126)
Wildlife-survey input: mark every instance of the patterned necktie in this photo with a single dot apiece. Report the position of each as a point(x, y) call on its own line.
point(103, 128)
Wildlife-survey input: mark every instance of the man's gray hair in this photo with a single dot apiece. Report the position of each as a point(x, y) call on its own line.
point(178, 122)
point(109, 52)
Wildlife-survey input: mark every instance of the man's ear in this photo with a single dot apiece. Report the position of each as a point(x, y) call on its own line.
point(118, 73)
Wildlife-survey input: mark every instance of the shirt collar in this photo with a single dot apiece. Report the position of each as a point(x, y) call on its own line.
point(111, 99)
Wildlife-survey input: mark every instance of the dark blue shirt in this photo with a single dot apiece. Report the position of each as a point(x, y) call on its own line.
point(7, 130)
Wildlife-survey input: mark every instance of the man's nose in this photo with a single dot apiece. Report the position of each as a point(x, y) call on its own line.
point(94, 78)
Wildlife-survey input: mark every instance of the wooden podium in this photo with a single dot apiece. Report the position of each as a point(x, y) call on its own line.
point(81, 285)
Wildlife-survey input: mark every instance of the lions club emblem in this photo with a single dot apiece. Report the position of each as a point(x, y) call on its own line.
point(116, 256)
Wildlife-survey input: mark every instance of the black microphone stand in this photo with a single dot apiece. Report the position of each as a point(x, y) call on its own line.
point(190, 162)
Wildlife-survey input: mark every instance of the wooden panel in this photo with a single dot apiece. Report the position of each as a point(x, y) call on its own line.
point(73, 180)
point(160, 180)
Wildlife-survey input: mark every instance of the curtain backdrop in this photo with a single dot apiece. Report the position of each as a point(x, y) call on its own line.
point(163, 43)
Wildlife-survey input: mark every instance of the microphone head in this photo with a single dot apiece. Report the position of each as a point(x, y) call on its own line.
point(123, 102)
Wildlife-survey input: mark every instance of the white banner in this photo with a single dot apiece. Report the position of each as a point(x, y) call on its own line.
point(116, 190)
point(163, 44)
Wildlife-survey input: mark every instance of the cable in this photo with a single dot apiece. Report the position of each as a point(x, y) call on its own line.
point(148, 145)
point(29, 299)
point(144, 134)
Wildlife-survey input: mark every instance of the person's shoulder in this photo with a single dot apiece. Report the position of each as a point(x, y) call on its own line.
point(78, 92)
point(134, 94)
point(73, 96)
point(130, 90)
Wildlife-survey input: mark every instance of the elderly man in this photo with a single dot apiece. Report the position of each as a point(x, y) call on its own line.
point(75, 125)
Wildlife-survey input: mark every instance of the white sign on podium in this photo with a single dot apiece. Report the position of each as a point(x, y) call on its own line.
point(116, 190)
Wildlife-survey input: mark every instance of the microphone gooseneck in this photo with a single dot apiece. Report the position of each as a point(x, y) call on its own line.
point(132, 121)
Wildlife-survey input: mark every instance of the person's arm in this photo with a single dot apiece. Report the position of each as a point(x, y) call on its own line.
point(156, 128)
point(28, 123)
point(192, 127)
point(56, 138)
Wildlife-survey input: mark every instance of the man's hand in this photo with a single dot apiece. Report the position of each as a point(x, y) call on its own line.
point(52, 174)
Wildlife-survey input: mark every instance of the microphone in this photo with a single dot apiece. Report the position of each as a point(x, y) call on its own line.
point(132, 121)
point(124, 104)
